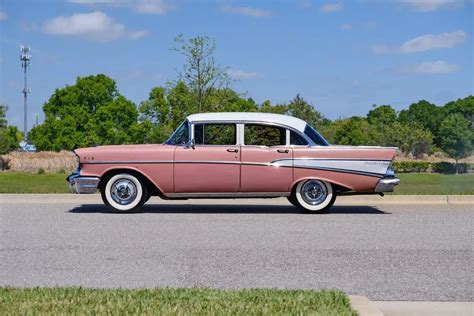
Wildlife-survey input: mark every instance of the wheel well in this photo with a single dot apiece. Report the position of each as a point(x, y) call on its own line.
point(151, 188)
point(337, 188)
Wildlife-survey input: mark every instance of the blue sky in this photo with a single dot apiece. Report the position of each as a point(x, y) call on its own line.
point(342, 56)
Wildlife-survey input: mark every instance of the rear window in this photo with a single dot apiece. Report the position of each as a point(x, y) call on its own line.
point(264, 135)
point(315, 136)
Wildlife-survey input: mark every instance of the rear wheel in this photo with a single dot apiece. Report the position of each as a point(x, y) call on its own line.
point(313, 196)
point(124, 193)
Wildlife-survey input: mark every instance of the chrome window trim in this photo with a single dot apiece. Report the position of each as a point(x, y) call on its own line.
point(243, 122)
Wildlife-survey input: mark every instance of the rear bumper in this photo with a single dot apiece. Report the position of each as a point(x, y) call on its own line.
point(82, 185)
point(386, 184)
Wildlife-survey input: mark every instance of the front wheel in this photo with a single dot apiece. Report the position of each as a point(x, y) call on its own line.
point(314, 196)
point(124, 193)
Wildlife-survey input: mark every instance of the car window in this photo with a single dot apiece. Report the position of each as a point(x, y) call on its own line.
point(264, 135)
point(215, 134)
point(181, 135)
point(315, 136)
point(297, 139)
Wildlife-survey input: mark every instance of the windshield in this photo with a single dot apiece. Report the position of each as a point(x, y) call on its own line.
point(180, 136)
point(315, 136)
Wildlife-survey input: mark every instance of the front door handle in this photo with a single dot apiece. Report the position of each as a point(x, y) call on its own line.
point(232, 150)
point(283, 151)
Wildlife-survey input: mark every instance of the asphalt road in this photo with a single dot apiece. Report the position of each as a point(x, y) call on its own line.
point(384, 252)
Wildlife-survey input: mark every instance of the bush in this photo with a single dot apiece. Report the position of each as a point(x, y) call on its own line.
point(40, 171)
point(410, 166)
point(449, 167)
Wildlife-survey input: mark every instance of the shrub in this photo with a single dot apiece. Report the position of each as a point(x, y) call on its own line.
point(40, 171)
point(410, 166)
point(449, 167)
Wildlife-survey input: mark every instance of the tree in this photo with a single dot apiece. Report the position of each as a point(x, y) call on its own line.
point(456, 137)
point(465, 107)
point(354, 131)
point(90, 112)
point(424, 114)
point(200, 72)
point(383, 115)
point(410, 138)
point(300, 108)
point(10, 136)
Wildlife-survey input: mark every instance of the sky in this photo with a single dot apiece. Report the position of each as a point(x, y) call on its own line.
point(341, 56)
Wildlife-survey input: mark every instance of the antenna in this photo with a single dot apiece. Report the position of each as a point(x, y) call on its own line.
point(25, 58)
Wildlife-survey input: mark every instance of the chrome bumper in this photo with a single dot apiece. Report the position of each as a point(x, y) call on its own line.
point(82, 185)
point(386, 184)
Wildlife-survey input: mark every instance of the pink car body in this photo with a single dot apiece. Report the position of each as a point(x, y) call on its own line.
point(188, 167)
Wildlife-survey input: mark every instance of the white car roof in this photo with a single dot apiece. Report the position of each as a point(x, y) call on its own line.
point(255, 117)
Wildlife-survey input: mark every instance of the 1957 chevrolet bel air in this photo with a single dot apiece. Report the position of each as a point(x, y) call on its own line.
point(230, 155)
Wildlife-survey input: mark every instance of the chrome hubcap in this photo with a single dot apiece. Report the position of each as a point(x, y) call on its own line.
point(123, 191)
point(314, 192)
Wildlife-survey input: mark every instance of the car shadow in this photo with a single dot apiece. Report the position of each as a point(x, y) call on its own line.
point(227, 209)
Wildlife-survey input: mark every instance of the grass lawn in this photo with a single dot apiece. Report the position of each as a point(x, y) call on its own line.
point(431, 183)
point(415, 183)
point(13, 182)
point(168, 301)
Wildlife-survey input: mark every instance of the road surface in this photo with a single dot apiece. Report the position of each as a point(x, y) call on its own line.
point(386, 252)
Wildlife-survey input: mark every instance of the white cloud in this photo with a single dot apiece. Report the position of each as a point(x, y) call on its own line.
point(425, 43)
point(141, 6)
point(3, 15)
point(240, 74)
point(331, 7)
point(92, 2)
point(431, 68)
point(152, 7)
point(430, 5)
point(429, 41)
point(346, 26)
point(248, 11)
point(95, 26)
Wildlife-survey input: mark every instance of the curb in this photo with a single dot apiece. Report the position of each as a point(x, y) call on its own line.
point(364, 307)
point(362, 200)
point(406, 200)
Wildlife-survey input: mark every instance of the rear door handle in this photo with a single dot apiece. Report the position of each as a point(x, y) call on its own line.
point(232, 150)
point(283, 151)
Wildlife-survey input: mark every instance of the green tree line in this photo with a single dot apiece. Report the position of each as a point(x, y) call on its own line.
point(10, 136)
point(93, 112)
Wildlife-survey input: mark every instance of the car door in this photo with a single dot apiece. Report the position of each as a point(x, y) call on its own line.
point(263, 146)
point(212, 165)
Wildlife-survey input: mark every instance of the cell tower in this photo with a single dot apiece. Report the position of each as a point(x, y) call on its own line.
point(25, 63)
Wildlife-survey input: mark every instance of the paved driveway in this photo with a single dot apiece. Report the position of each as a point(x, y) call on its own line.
point(384, 252)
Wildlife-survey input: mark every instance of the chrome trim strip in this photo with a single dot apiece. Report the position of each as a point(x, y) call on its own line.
point(360, 166)
point(227, 194)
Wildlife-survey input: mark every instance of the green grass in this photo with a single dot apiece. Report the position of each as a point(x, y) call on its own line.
point(415, 183)
point(13, 182)
point(430, 183)
point(194, 301)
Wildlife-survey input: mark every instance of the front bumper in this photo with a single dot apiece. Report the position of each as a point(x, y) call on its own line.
point(386, 184)
point(82, 185)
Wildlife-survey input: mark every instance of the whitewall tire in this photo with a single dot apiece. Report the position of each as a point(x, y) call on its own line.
point(124, 193)
point(314, 196)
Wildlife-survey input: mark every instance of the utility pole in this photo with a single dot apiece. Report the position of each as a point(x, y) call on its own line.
point(25, 63)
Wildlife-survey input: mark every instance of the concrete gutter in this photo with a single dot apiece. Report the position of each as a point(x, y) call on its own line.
point(70, 198)
point(365, 307)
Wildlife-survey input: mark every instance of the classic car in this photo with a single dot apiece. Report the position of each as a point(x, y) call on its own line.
point(235, 155)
